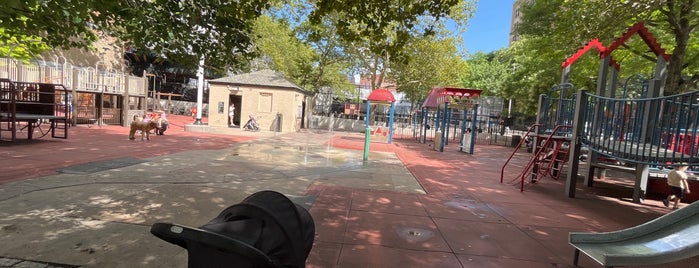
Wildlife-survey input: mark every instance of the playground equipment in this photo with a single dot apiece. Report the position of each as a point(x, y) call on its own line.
point(28, 106)
point(381, 96)
point(651, 113)
point(648, 131)
point(444, 100)
point(669, 238)
point(90, 88)
point(549, 138)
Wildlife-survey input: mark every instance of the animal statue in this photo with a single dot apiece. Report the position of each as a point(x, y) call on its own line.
point(145, 126)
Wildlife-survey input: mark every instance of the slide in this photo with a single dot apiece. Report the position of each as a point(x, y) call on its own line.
point(668, 238)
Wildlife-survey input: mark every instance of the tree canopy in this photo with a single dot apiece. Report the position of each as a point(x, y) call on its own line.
point(568, 25)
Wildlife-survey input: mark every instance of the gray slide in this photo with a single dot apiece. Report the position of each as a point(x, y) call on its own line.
point(668, 238)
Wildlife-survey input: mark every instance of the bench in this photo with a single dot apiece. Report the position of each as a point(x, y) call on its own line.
point(671, 237)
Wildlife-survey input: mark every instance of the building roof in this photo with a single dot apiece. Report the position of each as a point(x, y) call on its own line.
point(266, 77)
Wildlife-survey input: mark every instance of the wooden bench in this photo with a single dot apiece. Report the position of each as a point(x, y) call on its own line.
point(671, 237)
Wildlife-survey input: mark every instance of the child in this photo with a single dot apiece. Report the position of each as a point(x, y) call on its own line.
point(677, 180)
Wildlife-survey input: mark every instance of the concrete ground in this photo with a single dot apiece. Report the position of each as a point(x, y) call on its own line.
point(89, 201)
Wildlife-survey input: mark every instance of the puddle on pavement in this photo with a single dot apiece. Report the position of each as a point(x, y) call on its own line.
point(319, 155)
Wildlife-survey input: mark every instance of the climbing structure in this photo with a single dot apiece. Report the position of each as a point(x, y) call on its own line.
point(655, 117)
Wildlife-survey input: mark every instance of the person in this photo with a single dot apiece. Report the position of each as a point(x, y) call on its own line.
point(231, 114)
point(194, 112)
point(677, 180)
point(147, 117)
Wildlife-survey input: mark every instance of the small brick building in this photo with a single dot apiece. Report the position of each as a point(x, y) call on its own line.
point(277, 103)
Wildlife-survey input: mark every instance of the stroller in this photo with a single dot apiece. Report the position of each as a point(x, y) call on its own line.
point(251, 124)
point(161, 126)
point(264, 230)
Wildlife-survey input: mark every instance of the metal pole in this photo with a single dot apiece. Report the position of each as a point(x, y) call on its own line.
point(390, 122)
point(200, 90)
point(367, 140)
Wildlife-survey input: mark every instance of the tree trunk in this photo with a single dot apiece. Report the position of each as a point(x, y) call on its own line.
point(679, 16)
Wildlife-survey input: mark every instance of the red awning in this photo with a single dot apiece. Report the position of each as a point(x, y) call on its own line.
point(381, 94)
point(431, 100)
point(440, 95)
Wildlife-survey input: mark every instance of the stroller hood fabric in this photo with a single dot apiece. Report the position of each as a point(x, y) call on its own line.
point(265, 223)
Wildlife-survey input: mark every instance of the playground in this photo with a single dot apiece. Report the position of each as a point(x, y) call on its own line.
point(412, 203)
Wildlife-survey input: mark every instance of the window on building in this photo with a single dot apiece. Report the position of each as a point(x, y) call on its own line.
point(265, 103)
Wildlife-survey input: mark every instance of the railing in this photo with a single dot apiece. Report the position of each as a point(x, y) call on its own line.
point(556, 109)
point(85, 79)
point(654, 131)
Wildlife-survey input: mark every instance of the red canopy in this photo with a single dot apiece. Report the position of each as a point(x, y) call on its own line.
point(440, 95)
point(381, 94)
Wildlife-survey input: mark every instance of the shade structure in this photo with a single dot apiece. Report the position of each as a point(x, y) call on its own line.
point(381, 95)
point(441, 95)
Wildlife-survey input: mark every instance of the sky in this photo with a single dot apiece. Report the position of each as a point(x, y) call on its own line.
point(489, 29)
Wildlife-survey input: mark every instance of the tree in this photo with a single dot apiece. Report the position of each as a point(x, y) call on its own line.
point(220, 31)
point(20, 46)
point(488, 72)
point(376, 32)
point(433, 62)
point(576, 22)
point(184, 31)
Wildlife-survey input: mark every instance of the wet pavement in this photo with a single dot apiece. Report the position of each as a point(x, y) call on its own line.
point(89, 201)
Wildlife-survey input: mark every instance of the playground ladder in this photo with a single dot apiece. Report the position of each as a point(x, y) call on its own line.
point(548, 159)
point(519, 145)
point(551, 155)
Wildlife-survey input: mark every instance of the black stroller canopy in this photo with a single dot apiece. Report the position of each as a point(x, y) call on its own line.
point(265, 230)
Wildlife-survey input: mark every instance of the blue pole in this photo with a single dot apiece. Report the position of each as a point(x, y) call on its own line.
point(463, 131)
point(444, 124)
point(424, 122)
point(390, 122)
point(474, 133)
point(448, 125)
